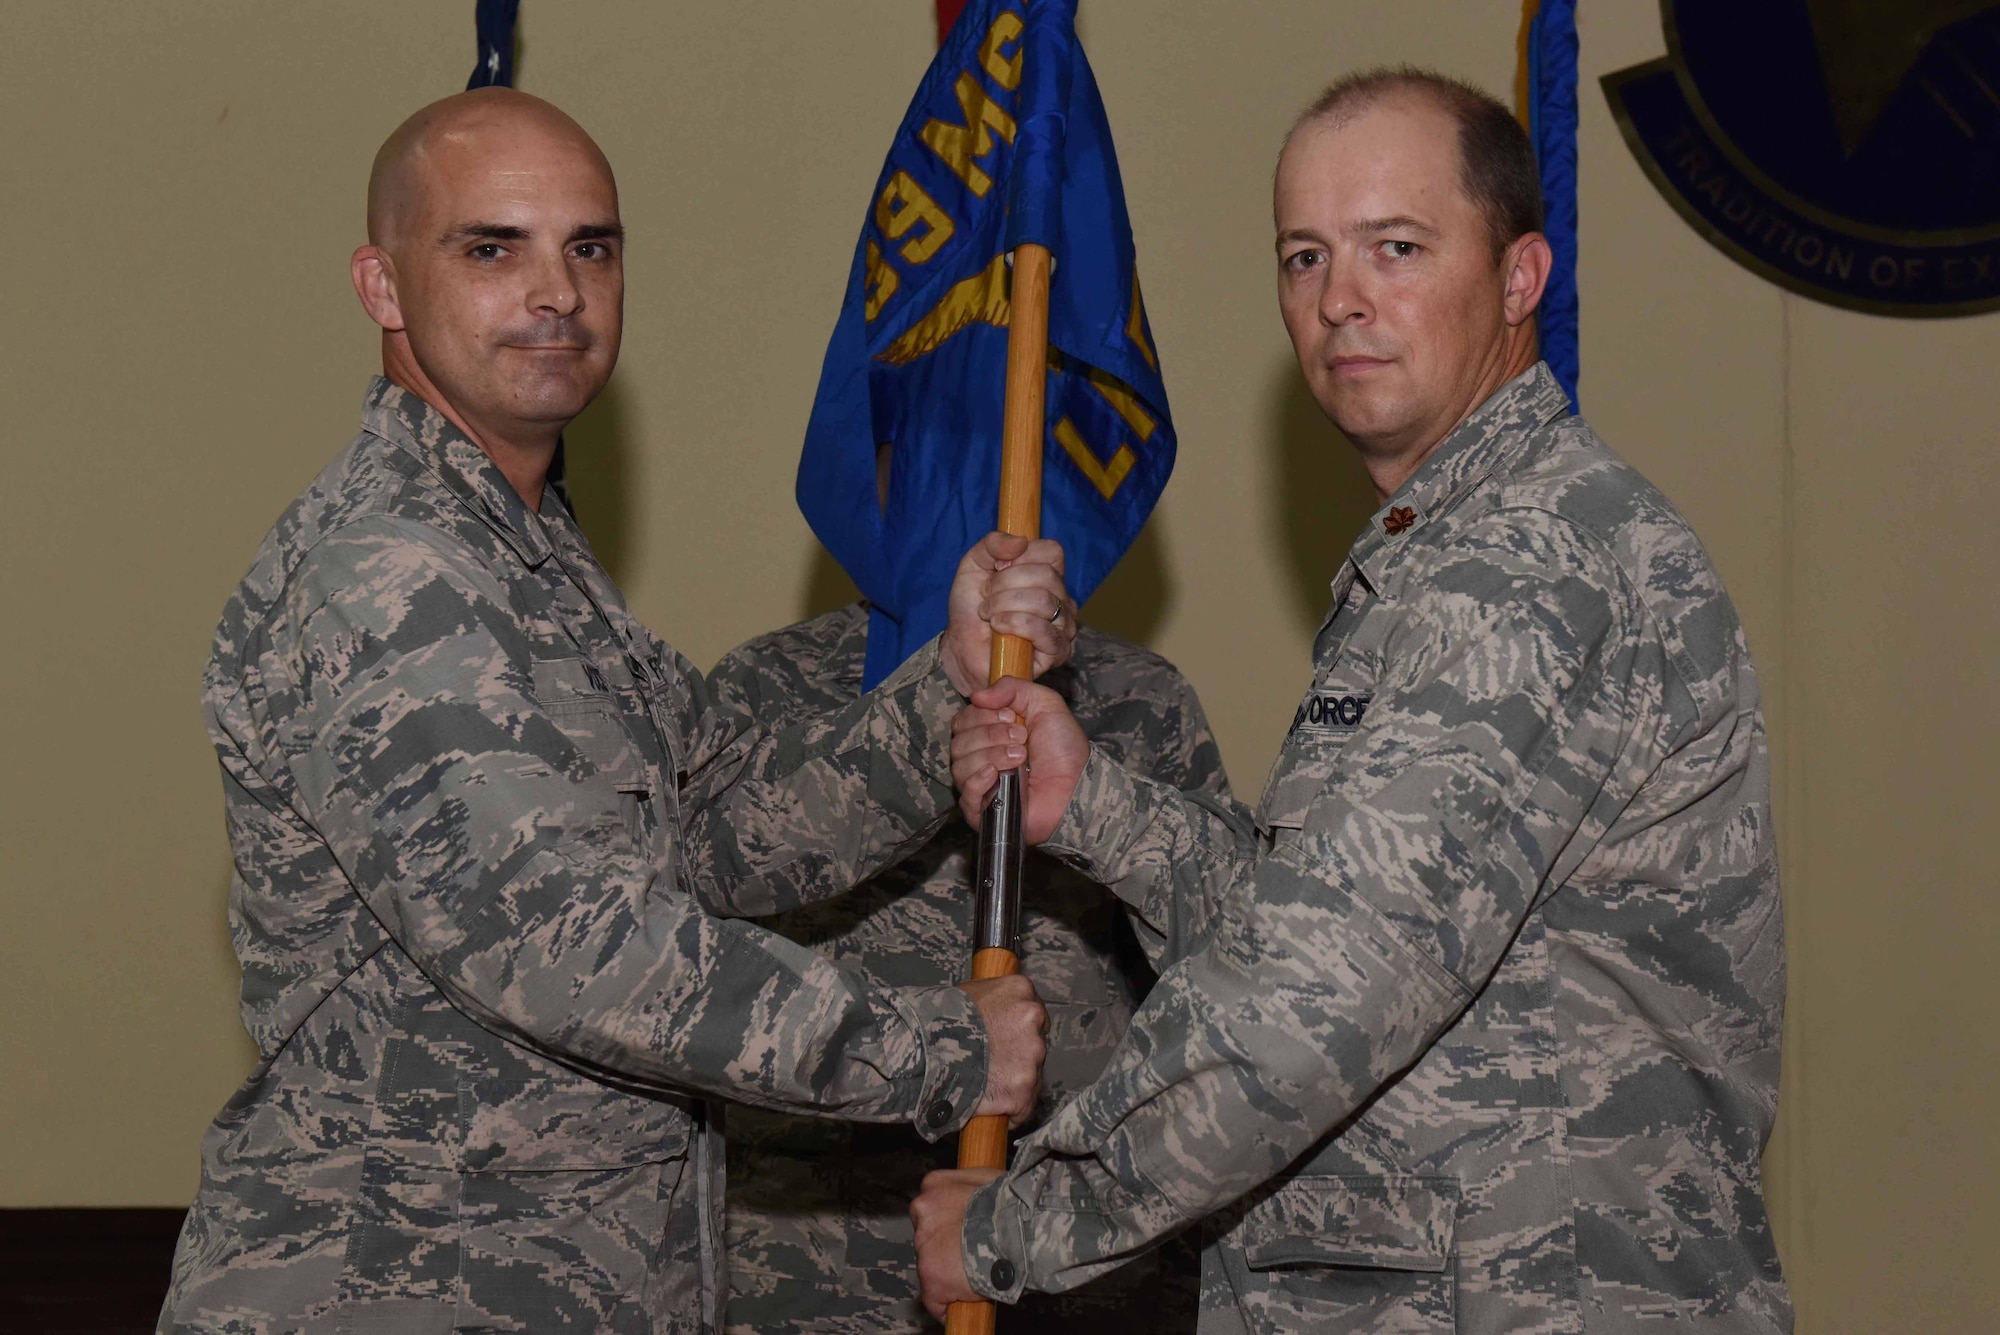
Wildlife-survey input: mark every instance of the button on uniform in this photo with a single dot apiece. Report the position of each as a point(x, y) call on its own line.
point(1002, 1274)
point(939, 1114)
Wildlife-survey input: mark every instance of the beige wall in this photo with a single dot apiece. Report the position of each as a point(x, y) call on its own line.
point(182, 185)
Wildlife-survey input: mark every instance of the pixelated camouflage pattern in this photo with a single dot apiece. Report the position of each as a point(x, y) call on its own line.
point(819, 1235)
point(1478, 1024)
point(473, 805)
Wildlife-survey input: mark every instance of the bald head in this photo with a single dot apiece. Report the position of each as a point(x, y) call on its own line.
point(495, 267)
point(459, 135)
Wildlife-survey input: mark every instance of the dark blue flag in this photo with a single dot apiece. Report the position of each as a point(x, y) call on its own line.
point(494, 21)
point(1005, 142)
point(1548, 109)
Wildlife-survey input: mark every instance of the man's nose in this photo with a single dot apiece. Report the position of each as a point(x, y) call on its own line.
point(555, 290)
point(1341, 299)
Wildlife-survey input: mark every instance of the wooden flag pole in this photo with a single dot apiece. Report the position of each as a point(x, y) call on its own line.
point(1022, 428)
point(983, 1143)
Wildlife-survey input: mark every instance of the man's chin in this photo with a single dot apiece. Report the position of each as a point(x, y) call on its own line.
point(554, 398)
point(1362, 412)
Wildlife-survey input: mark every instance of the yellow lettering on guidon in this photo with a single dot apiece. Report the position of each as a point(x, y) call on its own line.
point(881, 283)
point(1004, 69)
point(1127, 404)
point(902, 206)
point(1135, 328)
point(958, 146)
point(1105, 477)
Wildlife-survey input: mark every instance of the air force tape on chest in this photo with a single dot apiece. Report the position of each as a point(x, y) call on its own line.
point(1330, 712)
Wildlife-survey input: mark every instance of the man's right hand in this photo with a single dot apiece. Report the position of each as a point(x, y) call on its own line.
point(1016, 1029)
point(1015, 724)
point(1007, 586)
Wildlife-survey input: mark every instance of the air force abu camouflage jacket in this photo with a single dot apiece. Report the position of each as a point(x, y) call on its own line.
point(473, 804)
point(819, 1236)
point(1477, 1023)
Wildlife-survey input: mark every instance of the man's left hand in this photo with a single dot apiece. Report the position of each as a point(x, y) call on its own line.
point(939, 1214)
point(1009, 586)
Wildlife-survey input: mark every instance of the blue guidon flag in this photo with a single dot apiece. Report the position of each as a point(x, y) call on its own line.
point(1006, 142)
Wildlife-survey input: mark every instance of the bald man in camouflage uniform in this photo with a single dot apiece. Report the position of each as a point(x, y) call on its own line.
point(475, 808)
point(1477, 1026)
point(818, 1212)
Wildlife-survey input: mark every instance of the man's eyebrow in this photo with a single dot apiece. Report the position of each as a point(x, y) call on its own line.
point(1360, 227)
point(488, 231)
point(604, 231)
point(1399, 223)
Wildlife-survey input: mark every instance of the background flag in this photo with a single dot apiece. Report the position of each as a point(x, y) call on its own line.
point(1005, 142)
point(1546, 96)
point(494, 21)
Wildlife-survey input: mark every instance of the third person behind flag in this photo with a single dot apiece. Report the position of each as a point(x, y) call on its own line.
point(1006, 142)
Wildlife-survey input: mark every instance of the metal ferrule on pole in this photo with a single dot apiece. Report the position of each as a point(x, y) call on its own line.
point(997, 913)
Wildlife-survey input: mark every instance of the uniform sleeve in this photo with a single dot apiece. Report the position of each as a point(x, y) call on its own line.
point(507, 867)
point(775, 818)
point(1153, 817)
point(1350, 944)
point(1170, 854)
point(1190, 760)
point(732, 686)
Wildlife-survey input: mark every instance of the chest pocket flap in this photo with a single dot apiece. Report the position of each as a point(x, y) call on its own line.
point(578, 702)
point(1326, 718)
point(563, 1123)
point(1383, 1223)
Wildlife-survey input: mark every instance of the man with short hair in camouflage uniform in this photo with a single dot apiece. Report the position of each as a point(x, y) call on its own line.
point(476, 807)
point(1478, 1025)
point(819, 1236)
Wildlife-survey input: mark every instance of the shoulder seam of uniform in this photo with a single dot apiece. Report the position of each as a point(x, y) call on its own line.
point(350, 522)
point(1633, 584)
point(1597, 541)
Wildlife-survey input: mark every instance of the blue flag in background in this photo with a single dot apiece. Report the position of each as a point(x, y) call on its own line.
point(1547, 94)
point(1005, 142)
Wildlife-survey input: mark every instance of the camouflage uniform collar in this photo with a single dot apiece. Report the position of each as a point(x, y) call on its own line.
point(405, 420)
point(1480, 444)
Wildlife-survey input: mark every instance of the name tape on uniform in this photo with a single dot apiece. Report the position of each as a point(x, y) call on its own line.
point(1332, 711)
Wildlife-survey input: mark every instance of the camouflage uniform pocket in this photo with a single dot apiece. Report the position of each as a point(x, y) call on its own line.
point(571, 1213)
point(540, 1123)
point(575, 1249)
point(1333, 1254)
point(1303, 771)
point(1328, 715)
point(588, 716)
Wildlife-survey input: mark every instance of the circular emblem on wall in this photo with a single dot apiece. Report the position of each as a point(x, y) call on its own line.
point(1846, 149)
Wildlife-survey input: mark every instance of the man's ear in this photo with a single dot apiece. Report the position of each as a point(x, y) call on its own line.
point(1526, 264)
point(374, 275)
